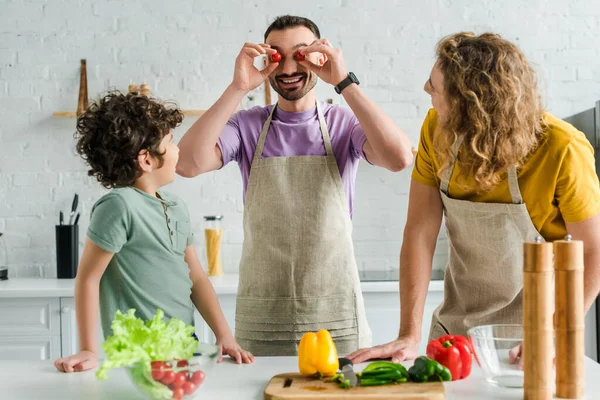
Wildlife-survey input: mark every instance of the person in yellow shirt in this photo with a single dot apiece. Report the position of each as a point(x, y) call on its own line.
point(501, 171)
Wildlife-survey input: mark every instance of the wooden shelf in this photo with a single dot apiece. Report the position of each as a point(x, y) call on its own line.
point(73, 114)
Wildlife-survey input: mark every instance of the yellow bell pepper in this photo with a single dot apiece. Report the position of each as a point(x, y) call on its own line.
point(317, 354)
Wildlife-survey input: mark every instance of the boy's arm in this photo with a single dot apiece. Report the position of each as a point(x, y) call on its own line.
point(91, 268)
point(205, 299)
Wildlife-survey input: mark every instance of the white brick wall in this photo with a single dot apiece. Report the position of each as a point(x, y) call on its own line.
point(185, 50)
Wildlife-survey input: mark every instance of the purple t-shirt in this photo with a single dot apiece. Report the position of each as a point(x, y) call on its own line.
point(295, 134)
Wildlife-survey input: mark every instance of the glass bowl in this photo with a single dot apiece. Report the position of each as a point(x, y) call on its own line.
point(492, 344)
point(173, 379)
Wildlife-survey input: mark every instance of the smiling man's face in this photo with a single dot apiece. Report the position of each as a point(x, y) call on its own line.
point(291, 80)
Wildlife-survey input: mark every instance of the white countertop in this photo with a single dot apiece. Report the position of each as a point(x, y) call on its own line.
point(224, 285)
point(40, 380)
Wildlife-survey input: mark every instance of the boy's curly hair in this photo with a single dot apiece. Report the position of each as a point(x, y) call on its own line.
point(113, 130)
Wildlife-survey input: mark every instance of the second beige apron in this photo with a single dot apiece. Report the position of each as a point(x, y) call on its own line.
point(484, 277)
point(297, 271)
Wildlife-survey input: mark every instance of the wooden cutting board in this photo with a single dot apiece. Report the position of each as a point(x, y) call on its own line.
point(298, 387)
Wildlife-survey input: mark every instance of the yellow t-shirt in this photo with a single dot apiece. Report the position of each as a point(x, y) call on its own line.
point(558, 182)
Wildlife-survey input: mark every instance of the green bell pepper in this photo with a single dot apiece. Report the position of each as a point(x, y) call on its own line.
point(427, 370)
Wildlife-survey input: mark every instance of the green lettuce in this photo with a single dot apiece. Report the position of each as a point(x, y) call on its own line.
point(135, 340)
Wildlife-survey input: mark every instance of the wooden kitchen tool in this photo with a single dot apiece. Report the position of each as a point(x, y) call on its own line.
point(537, 320)
point(145, 89)
point(267, 92)
point(570, 347)
point(133, 88)
point(82, 103)
point(294, 386)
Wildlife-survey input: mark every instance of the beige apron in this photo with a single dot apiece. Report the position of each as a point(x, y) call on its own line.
point(484, 277)
point(297, 271)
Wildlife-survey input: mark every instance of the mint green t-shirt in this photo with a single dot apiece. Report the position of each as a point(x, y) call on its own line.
point(148, 236)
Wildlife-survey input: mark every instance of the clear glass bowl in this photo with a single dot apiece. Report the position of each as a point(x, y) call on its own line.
point(173, 379)
point(492, 344)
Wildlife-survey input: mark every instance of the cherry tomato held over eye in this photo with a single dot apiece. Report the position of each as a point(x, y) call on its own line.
point(299, 56)
point(276, 57)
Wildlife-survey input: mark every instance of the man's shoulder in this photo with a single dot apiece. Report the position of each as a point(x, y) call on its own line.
point(254, 114)
point(336, 111)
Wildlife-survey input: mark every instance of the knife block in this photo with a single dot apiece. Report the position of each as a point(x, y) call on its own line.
point(67, 251)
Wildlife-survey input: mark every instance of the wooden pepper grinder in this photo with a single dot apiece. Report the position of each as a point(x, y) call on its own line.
point(570, 325)
point(537, 320)
point(133, 88)
point(267, 93)
point(82, 103)
point(145, 90)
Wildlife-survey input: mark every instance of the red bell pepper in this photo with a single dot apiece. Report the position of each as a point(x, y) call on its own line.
point(454, 352)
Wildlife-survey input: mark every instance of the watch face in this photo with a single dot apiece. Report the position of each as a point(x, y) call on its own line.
point(353, 77)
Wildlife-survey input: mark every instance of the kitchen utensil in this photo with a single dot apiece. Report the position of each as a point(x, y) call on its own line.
point(61, 218)
point(570, 347)
point(73, 208)
point(145, 89)
point(213, 233)
point(267, 92)
point(537, 320)
point(160, 380)
point(492, 344)
point(347, 369)
point(82, 103)
point(298, 387)
point(76, 219)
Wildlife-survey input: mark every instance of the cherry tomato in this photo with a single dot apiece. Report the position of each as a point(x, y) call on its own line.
point(168, 378)
point(197, 378)
point(299, 56)
point(178, 393)
point(276, 57)
point(189, 387)
point(182, 363)
point(180, 379)
point(158, 370)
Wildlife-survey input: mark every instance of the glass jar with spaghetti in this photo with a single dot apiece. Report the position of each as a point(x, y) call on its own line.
point(213, 233)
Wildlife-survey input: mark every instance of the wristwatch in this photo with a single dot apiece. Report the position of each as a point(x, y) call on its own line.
point(350, 79)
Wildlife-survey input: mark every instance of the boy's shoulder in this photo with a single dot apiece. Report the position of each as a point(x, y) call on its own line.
point(171, 197)
point(117, 197)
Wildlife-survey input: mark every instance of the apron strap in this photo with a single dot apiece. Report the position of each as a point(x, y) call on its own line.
point(260, 145)
point(513, 186)
point(513, 182)
point(324, 131)
point(448, 173)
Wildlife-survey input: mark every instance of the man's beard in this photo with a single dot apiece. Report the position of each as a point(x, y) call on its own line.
point(308, 83)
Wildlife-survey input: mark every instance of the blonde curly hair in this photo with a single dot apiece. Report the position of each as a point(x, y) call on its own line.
point(491, 91)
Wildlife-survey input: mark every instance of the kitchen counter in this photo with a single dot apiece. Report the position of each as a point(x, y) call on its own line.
point(226, 284)
point(40, 380)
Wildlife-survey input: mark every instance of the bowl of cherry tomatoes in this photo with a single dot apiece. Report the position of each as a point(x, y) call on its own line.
point(173, 379)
